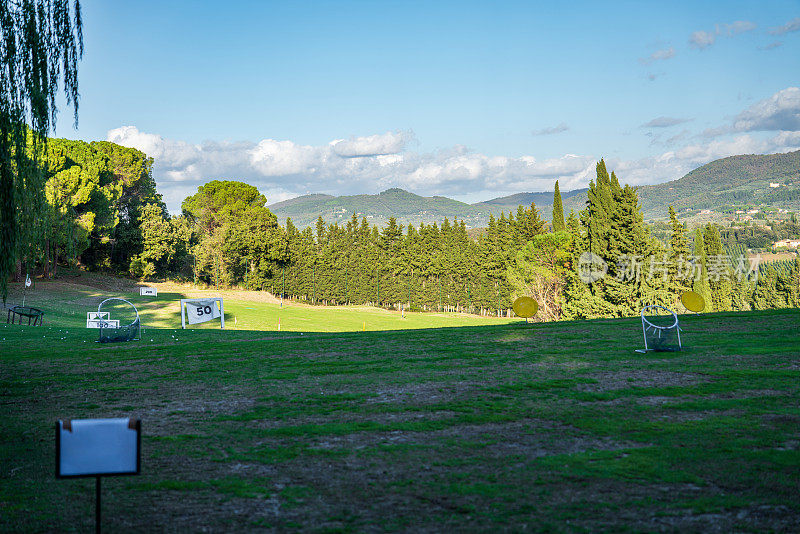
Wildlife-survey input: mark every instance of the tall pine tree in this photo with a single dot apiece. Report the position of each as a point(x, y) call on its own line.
point(558, 211)
point(701, 286)
point(720, 271)
point(678, 256)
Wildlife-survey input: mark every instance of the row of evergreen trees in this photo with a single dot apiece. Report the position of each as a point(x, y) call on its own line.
point(100, 209)
point(237, 241)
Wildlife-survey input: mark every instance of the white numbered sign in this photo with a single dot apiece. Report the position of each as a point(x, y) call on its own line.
point(103, 323)
point(148, 291)
point(202, 310)
point(95, 319)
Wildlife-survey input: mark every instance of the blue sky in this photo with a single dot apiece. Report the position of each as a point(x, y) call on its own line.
point(470, 100)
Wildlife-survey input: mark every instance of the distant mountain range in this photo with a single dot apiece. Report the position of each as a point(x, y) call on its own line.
point(727, 184)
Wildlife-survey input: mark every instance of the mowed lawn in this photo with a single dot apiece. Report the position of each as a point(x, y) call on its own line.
point(66, 302)
point(501, 425)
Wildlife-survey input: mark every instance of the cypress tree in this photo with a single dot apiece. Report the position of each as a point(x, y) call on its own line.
point(574, 227)
point(765, 294)
point(701, 286)
point(558, 211)
point(678, 256)
point(719, 281)
point(794, 287)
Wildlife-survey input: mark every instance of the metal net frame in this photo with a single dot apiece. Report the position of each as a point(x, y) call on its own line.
point(115, 334)
point(660, 338)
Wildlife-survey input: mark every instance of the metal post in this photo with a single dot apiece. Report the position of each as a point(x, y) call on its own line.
point(97, 505)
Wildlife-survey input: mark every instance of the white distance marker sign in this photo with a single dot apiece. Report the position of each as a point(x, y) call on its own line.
point(94, 447)
point(103, 323)
point(93, 319)
point(148, 292)
point(202, 310)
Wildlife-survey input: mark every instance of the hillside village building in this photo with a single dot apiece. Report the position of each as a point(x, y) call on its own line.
point(787, 243)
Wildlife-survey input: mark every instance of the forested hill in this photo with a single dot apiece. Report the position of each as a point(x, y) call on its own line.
point(723, 185)
point(407, 207)
point(571, 200)
point(729, 184)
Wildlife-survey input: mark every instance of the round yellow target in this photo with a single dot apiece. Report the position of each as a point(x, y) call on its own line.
point(525, 307)
point(693, 301)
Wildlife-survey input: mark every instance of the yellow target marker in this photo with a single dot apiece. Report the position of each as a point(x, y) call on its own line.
point(525, 307)
point(693, 301)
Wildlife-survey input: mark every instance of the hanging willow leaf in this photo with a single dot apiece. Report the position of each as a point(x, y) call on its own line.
point(41, 42)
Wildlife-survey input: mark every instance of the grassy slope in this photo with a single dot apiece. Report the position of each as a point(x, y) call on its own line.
point(550, 426)
point(66, 302)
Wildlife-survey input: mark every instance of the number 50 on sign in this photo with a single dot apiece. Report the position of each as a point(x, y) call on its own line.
point(201, 310)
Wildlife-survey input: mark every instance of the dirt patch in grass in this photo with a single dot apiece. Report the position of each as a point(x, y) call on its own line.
point(759, 518)
point(526, 439)
point(641, 378)
point(423, 393)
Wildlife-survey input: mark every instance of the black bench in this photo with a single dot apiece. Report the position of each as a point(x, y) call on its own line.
point(35, 314)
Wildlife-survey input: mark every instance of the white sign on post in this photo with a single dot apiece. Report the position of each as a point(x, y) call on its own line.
point(94, 447)
point(103, 323)
point(148, 292)
point(97, 448)
point(202, 310)
point(95, 319)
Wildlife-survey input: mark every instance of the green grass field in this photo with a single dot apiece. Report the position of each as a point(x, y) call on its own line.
point(67, 301)
point(487, 425)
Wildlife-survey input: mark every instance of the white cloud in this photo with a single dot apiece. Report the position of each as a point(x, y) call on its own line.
point(373, 145)
point(658, 55)
point(791, 26)
point(552, 130)
point(664, 122)
point(779, 112)
point(283, 169)
point(735, 28)
point(279, 158)
point(171, 154)
point(771, 46)
point(701, 39)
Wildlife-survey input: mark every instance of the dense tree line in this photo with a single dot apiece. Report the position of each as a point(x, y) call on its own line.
point(758, 236)
point(97, 200)
point(101, 211)
point(439, 267)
